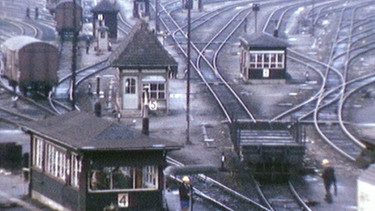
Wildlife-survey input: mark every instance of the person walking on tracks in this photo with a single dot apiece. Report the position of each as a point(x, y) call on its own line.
point(186, 191)
point(329, 179)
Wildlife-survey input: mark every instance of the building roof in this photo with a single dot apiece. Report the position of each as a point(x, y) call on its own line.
point(86, 132)
point(262, 40)
point(141, 49)
point(104, 6)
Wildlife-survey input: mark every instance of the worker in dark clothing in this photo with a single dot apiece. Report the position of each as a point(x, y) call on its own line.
point(36, 12)
point(87, 45)
point(329, 179)
point(185, 191)
point(27, 12)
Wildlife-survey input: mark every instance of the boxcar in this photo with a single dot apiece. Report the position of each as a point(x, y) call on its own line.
point(64, 17)
point(30, 64)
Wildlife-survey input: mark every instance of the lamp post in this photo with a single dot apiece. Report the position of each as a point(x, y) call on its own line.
point(189, 5)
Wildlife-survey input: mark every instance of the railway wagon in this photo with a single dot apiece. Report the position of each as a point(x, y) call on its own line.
point(30, 64)
point(64, 17)
point(269, 149)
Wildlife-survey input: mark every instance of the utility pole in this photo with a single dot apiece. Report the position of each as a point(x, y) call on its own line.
point(157, 27)
point(189, 5)
point(74, 56)
point(255, 10)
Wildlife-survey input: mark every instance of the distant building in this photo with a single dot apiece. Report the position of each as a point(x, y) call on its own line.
point(105, 14)
point(141, 9)
point(82, 162)
point(263, 57)
point(143, 66)
point(195, 4)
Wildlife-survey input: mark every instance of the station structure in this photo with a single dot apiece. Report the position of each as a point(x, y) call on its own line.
point(143, 67)
point(263, 57)
point(105, 14)
point(82, 162)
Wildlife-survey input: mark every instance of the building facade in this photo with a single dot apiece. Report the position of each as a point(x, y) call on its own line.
point(82, 162)
point(263, 57)
point(143, 68)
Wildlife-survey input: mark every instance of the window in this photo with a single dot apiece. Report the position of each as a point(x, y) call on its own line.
point(156, 90)
point(130, 86)
point(38, 153)
point(75, 170)
point(56, 161)
point(124, 177)
point(56, 164)
point(266, 59)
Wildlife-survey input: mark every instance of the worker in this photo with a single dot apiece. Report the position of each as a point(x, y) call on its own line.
point(329, 179)
point(185, 191)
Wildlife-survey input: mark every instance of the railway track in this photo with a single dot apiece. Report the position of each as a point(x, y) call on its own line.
point(16, 108)
point(209, 189)
point(326, 105)
point(281, 196)
point(231, 104)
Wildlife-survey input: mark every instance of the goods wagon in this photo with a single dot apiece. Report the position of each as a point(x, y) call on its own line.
point(269, 149)
point(30, 64)
point(64, 17)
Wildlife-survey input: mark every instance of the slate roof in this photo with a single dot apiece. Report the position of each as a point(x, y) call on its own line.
point(104, 6)
point(262, 40)
point(141, 49)
point(83, 131)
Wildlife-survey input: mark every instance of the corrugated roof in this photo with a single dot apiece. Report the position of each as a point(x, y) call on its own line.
point(18, 42)
point(82, 131)
point(141, 49)
point(104, 7)
point(260, 40)
point(368, 176)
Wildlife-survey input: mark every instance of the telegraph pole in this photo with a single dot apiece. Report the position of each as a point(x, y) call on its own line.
point(189, 5)
point(256, 9)
point(157, 27)
point(74, 56)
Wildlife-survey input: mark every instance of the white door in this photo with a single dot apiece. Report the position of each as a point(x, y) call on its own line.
point(130, 93)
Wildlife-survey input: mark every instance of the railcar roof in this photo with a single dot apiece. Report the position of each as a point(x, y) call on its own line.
point(19, 42)
point(86, 132)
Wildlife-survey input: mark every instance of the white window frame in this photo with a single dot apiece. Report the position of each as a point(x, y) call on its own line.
point(75, 166)
point(38, 153)
point(258, 60)
point(149, 179)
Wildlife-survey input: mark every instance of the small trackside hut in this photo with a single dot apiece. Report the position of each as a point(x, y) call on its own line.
point(271, 150)
point(105, 12)
point(263, 57)
point(143, 67)
point(82, 162)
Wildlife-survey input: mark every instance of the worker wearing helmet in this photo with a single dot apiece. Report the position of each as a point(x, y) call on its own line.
point(329, 179)
point(185, 191)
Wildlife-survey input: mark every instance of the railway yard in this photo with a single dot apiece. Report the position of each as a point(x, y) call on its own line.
point(328, 91)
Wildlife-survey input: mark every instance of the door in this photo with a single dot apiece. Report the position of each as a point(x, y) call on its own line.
point(130, 93)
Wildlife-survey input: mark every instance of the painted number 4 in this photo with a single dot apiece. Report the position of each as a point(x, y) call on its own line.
point(123, 200)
